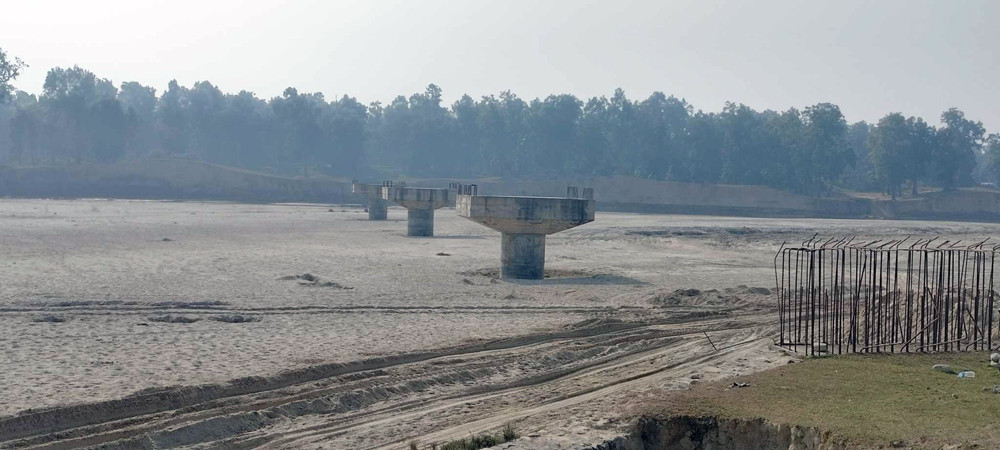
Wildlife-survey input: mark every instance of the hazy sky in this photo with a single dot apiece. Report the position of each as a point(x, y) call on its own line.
point(915, 57)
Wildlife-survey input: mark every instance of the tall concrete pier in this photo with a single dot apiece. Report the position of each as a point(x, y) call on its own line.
point(377, 206)
point(524, 222)
point(420, 204)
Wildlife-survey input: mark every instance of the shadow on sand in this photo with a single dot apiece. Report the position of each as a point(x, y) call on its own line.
point(562, 276)
point(585, 280)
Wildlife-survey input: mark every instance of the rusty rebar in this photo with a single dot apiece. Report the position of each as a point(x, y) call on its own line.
point(838, 296)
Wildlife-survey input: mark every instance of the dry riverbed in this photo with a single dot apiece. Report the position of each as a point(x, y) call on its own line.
point(179, 323)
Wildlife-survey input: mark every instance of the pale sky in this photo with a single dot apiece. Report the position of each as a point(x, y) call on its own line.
point(871, 58)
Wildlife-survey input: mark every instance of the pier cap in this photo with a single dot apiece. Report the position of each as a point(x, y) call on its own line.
point(526, 215)
point(370, 189)
point(418, 198)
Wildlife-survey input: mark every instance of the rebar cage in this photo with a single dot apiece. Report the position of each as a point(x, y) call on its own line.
point(842, 296)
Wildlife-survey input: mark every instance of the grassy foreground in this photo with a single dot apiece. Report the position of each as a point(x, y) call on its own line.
point(867, 399)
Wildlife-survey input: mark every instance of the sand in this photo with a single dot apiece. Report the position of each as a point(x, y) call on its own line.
point(106, 268)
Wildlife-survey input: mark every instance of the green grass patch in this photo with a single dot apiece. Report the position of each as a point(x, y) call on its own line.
point(868, 399)
point(509, 433)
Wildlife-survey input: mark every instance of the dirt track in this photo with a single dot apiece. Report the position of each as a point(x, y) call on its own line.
point(442, 397)
point(406, 345)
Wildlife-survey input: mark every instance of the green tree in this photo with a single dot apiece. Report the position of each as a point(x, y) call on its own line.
point(859, 177)
point(430, 136)
point(172, 119)
point(703, 146)
point(108, 130)
point(552, 134)
point(205, 109)
point(790, 163)
point(81, 117)
point(345, 124)
point(25, 129)
point(84, 120)
point(10, 69)
point(622, 134)
point(660, 126)
point(752, 151)
point(466, 137)
point(993, 156)
point(251, 129)
point(139, 103)
point(825, 140)
point(888, 143)
point(921, 145)
point(954, 156)
point(503, 126)
point(300, 116)
point(593, 156)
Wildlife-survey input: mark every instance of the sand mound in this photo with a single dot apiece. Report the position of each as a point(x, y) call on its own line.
point(597, 323)
point(76, 303)
point(235, 318)
point(167, 318)
point(308, 279)
point(494, 272)
point(713, 232)
point(190, 305)
point(49, 319)
point(738, 296)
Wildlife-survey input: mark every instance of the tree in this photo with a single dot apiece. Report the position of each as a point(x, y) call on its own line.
point(789, 162)
point(704, 141)
point(77, 83)
point(465, 148)
point(139, 103)
point(503, 123)
point(954, 156)
point(888, 143)
point(661, 124)
point(172, 119)
point(622, 135)
point(922, 142)
point(859, 177)
point(993, 155)
point(10, 69)
point(252, 131)
point(206, 108)
point(81, 117)
point(345, 123)
point(593, 156)
point(825, 140)
point(552, 132)
point(108, 130)
point(430, 133)
point(25, 129)
point(746, 145)
point(299, 115)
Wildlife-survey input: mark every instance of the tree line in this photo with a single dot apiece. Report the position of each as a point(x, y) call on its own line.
point(80, 117)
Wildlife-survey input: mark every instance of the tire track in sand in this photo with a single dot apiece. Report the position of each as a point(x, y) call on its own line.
point(443, 365)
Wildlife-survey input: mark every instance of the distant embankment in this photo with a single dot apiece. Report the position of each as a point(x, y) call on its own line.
point(182, 179)
point(628, 194)
point(168, 179)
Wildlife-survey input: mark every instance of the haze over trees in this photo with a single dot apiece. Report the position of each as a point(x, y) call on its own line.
point(80, 118)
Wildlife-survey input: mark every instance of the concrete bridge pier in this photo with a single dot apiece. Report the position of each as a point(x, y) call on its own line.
point(378, 209)
point(420, 222)
point(522, 256)
point(420, 204)
point(523, 223)
point(372, 193)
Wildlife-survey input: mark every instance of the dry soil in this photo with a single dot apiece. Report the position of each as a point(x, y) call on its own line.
point(165, 324)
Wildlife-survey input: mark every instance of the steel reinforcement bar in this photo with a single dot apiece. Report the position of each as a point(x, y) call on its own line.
point(845, 296)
